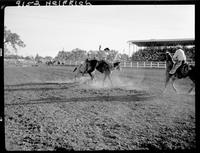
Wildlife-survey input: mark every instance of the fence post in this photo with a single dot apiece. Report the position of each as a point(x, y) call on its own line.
point(144, 64)
point(151, 64)
point(137, 65)
point(131, 64)
point(158, 64)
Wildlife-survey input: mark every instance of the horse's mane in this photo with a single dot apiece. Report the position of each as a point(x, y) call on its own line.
point(169, 60)
point(169, 56)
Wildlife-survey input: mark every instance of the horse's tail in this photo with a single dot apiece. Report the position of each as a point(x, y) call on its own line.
point(75, 69)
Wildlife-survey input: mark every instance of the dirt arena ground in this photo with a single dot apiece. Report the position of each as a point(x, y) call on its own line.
point(46, 109)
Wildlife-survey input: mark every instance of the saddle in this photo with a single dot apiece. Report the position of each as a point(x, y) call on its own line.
point(183, 70)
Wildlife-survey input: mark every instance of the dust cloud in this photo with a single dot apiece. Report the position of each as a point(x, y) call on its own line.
point(119, 82)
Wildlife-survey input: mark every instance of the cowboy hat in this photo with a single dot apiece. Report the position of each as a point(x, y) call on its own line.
point(179, 47)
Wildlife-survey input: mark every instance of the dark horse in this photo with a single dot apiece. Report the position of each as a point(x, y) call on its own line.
point(102, 66)
point(185, 70)
point(88, 66)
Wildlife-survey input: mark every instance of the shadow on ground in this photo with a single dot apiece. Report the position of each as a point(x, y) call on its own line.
point(39, 86)
point(125, 98)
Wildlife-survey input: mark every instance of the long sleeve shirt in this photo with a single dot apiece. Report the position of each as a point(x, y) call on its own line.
point(179, 55)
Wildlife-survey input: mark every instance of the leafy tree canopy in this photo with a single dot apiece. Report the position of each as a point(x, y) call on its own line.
point(12, 40)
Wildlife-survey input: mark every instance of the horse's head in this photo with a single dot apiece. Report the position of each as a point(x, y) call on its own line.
point(169, 61)
point(116, 65)
point(165, 56)
point(169, 58)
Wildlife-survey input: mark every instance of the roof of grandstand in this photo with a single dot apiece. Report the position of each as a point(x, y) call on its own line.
point(162, 42)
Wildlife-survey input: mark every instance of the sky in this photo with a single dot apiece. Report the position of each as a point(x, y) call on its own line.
point(46, 30)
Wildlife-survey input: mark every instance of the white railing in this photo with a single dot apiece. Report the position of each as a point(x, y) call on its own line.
point(143, 64)
point(146, 64)
point(135, 64)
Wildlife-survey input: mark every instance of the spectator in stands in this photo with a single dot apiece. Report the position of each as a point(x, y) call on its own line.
point(179, 58)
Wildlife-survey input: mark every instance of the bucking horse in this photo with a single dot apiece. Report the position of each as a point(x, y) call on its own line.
point(185, 70)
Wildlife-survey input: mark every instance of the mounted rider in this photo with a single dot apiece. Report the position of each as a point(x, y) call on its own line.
point(179, 58)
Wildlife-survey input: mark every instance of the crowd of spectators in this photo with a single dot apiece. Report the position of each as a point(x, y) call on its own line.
point(156, 53)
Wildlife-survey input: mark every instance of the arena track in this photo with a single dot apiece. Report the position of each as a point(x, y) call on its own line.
point(46, 109)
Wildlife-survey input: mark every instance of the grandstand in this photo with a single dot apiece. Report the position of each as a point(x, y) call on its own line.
point(135, 45)
point(150, 50)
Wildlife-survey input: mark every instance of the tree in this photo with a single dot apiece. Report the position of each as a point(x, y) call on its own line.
point(78, 54)
point(111, 55)
point(38, 58)
point(12, 40)
point(62, 56)
point(74, 55)
point(29, 58)
point(48, 58)
point(123, 57)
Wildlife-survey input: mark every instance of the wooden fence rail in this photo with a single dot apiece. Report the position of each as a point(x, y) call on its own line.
point(135, 64)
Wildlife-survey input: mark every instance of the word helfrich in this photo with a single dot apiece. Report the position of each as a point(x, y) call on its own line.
point(52, 2)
